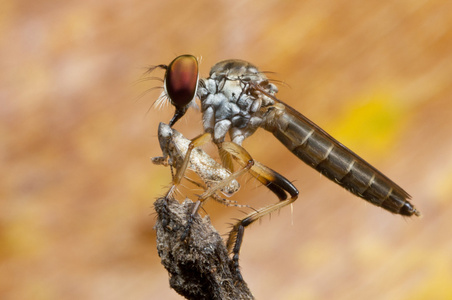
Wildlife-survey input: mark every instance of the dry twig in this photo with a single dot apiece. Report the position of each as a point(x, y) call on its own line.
point(199, 267)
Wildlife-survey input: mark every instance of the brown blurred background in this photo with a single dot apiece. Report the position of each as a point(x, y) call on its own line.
point(77, 185)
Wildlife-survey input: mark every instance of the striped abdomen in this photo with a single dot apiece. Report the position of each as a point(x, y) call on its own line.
point(322, 152)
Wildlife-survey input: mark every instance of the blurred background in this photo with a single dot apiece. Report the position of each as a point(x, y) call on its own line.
point(77, 131)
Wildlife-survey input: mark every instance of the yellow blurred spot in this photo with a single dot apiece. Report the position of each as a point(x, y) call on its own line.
point(370, 252)
point(315, 255)
point(437, 279)
point(22, 238)
point(371, 123)
point(443, 187)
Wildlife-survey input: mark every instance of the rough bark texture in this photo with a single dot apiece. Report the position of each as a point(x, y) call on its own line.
point(199, 267)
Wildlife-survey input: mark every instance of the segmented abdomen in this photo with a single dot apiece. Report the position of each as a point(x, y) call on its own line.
point(319, 150)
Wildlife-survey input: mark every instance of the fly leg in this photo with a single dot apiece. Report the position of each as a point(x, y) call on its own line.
point(246, 162)
point(262, 173)
point(191, 158)
point(216, 197)
point(240, 155)
point(273, 180)
point(196, 142)
point(235, 238)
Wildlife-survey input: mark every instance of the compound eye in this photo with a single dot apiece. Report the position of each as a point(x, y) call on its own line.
point(181, 80)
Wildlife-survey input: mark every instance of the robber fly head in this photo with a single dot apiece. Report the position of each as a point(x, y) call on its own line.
point(181, 83)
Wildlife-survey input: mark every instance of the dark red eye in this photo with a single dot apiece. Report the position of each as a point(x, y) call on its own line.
point(181, 80)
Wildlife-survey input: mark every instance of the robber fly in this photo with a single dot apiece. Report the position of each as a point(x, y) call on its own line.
point(238, 99)
point(217, 178)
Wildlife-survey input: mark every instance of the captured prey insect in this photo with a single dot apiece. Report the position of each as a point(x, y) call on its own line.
point(217, 178)
point(238, 99)
point(174, 147)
